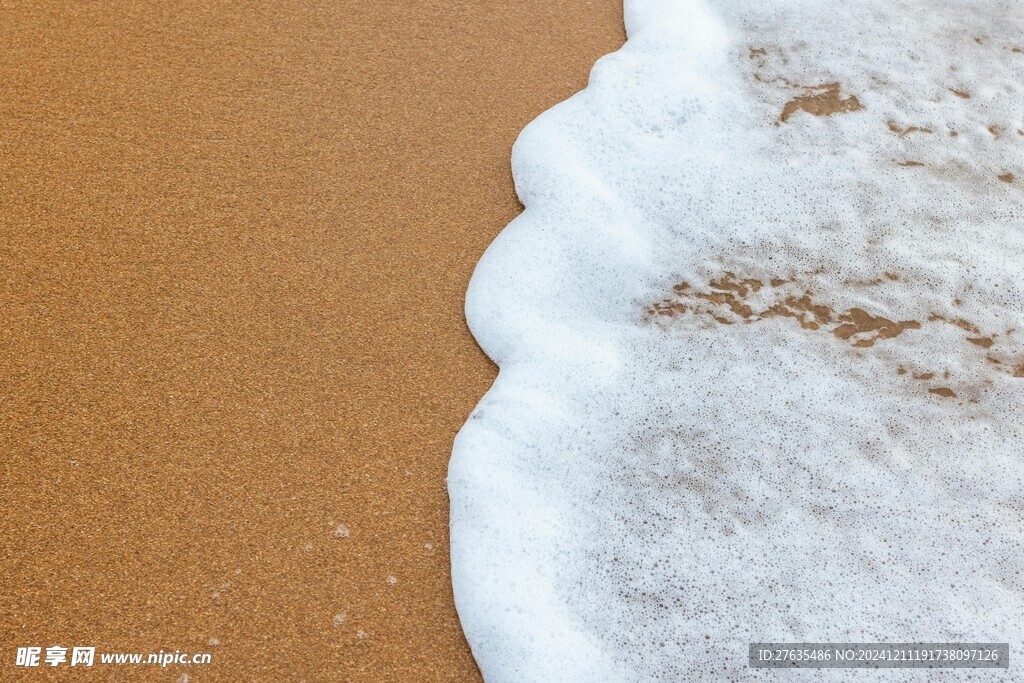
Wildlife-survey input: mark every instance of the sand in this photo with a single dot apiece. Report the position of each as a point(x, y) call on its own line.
point(236, 241)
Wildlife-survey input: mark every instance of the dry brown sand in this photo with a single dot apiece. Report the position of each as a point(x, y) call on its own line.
point(235, 242)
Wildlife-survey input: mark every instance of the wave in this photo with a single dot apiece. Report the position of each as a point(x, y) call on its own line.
point(760, 336)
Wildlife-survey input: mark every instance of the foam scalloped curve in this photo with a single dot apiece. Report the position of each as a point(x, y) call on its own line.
point(759, 331)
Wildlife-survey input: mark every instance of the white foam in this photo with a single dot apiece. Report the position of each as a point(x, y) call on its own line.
point(660, 476)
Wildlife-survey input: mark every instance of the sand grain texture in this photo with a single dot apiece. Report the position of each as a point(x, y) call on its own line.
point(235, 243)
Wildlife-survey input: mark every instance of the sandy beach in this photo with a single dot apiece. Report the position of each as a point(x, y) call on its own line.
point(236, 243)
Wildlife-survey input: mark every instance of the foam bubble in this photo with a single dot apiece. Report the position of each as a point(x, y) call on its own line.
point(761, 361)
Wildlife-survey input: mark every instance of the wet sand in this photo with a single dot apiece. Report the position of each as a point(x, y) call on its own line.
point(235, 244)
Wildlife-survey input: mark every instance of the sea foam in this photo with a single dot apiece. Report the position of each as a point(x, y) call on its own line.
point(761, 348)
